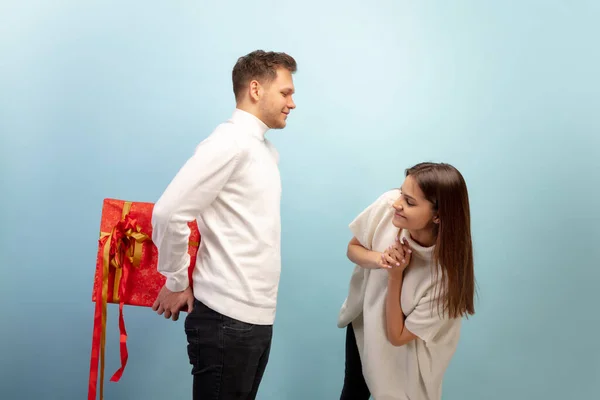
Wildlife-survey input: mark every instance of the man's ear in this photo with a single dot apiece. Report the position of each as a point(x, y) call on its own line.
point(255, 90)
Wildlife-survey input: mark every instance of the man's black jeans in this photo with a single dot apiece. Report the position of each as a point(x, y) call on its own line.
point(228, 357)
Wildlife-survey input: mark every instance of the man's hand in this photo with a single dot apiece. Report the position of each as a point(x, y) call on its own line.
point(171, 303)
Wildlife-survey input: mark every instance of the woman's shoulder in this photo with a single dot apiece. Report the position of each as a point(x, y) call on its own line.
point(388, 198)
point(381, 209)
point(380, 205)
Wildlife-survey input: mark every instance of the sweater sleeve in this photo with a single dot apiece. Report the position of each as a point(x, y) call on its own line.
point(193, 188)
point(427, 320)
point(364, 226)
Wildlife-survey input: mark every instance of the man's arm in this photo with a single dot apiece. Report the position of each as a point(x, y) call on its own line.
point(193, 188)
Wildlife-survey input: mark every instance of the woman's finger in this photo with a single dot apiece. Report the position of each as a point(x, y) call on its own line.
point(398, 254)
point(390, 261)
point(383, 263)
point(406, 245)
point(393, 253)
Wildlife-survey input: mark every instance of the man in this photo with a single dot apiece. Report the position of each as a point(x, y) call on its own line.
point(231, 185)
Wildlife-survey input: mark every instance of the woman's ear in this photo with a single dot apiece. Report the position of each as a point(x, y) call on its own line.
point(436, 219)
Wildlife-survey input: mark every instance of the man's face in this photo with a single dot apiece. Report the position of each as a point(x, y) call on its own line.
point(276, 101)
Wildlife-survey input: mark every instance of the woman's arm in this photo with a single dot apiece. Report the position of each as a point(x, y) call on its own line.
point(363, 257)
point(397, 333)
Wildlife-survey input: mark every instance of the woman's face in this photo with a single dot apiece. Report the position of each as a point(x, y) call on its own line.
point(412, 210)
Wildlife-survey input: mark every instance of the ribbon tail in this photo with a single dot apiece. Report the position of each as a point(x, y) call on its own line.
point(102, 349)
point(93, 381)
point(123, 345)
point(99, 329)
point(103, 301)
point(123, 332)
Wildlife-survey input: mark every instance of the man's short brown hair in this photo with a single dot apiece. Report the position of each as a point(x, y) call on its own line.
point(260, 65)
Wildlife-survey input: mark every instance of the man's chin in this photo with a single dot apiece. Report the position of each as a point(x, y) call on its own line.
point(279, 125)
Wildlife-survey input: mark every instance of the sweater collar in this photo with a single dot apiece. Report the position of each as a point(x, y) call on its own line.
point(424, 252)
point(254, 125)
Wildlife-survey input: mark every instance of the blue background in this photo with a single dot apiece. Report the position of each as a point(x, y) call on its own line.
point(109, 98)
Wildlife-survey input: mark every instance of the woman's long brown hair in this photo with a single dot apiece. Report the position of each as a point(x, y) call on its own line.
point(445, 187)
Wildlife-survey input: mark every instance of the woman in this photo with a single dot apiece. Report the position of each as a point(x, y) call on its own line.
point(412, 283)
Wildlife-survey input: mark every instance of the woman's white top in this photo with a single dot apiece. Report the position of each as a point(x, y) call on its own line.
point(413, 371)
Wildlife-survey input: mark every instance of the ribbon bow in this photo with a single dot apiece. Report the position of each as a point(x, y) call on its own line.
point(122, 249)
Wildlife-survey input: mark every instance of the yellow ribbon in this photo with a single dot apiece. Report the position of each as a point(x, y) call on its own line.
point(134, 254)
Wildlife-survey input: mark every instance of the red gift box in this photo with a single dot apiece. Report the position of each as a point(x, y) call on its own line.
point(126, 274)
